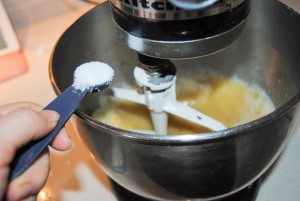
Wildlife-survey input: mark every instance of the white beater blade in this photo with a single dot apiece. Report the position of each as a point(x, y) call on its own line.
point(160, 122)
point(129, 95)
point(185, 112)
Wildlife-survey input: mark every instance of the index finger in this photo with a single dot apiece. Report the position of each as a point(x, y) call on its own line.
point(4, 109)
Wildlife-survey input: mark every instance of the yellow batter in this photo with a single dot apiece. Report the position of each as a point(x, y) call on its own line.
point(230, 101)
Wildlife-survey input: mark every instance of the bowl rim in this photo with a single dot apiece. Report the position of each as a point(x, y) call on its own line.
point(187, 138)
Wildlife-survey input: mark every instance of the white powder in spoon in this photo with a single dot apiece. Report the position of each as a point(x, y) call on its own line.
point(91, 74)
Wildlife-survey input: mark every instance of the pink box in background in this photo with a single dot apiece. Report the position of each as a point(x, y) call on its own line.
point(11, 65)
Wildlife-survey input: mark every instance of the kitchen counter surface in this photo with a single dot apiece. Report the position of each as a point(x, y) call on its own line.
point(74, 175)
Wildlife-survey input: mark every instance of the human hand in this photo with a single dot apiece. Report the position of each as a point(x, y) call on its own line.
point(21, 123)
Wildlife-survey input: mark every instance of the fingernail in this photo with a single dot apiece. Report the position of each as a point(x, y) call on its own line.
point(51, 116)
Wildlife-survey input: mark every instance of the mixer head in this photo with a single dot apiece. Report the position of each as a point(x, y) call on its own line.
point(158, 28)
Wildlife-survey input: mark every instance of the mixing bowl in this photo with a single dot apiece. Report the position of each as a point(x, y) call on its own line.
point(201, 166)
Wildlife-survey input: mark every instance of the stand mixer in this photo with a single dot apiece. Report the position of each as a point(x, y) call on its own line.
point(218, 165)
point(159, 31)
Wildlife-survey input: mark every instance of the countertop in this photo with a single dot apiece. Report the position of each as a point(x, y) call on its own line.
point(74, 175)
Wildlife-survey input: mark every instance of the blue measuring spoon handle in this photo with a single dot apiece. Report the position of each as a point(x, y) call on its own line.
point(65, 104)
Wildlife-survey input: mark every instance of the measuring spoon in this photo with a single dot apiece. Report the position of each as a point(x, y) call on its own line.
point(65, 104)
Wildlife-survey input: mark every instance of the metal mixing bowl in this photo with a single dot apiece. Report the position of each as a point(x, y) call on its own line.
point(198, 166)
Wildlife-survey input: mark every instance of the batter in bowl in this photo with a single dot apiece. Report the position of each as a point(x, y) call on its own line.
point(228, 100)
